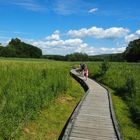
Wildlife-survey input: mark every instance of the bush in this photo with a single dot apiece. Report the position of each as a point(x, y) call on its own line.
point(135, 109)
point(130, 87)
point(104, 67)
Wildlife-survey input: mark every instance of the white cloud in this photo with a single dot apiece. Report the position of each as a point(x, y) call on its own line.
point(54, 40)
point(58, 43)
point(54, 36)
point(58, 46)
point(100, 33)
point(100, 50)
point(138, 32)
point(67, 46)
point(56, 32)
point(132, 37)
point(93, 10)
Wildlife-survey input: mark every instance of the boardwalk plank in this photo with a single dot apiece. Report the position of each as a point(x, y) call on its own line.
point(95, 137)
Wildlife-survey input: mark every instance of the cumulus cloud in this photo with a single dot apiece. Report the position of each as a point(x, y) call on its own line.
point(63, 47)
point(138, 32)
point(93, 10)
point(58, 46)
point(132, 37)
point(57, 43)
point(54, 40)
point(100, 50)
point(100, 33)
point(54, 36)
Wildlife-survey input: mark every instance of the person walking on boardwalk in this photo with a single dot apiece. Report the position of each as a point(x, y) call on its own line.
point(86, 72)
point(82, 69)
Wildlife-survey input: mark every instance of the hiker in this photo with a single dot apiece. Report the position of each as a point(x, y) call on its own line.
point(82, 68)
point(86, 72)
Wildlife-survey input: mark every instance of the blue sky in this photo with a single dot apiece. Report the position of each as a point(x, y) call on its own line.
point(67, 26)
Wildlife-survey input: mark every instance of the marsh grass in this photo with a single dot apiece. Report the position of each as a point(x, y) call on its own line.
point(50, 122)
point(27, 87)
point(129, 130)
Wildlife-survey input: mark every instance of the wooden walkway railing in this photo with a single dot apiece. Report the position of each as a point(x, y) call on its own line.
point(93, 118)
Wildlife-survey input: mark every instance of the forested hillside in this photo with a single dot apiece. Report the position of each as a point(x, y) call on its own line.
point(132, 52)
point(17, 48)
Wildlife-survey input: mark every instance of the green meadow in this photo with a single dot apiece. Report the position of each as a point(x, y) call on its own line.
point(38, 96)
point(26, 88)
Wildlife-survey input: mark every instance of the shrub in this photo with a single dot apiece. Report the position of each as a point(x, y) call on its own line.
point(104, 67)
point(130, 87)
point(135, 109)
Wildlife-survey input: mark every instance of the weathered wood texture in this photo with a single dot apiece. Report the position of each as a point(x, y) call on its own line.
point(92, 118)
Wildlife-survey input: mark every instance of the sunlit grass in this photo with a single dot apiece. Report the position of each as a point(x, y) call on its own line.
point(50, 122)
point(128, 128)
point(27, 87)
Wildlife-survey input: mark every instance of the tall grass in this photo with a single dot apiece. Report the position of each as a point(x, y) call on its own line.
point(25, 88)
point(117, 75)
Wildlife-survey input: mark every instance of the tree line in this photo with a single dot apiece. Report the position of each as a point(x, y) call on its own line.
point(17, 48)
point(84, 57)
point(132, 52)
point(70, 57)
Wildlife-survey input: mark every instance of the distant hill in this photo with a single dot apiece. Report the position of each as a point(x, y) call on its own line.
point(118, 57)
point(17, 48)
point(69, 57)
point(54, 57)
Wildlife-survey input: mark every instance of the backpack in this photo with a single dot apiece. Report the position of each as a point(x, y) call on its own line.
point(83, 66)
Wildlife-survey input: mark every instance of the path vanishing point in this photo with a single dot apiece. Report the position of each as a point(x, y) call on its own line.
point(93, 118)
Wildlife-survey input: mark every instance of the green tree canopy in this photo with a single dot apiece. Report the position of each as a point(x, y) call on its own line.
point(77, 57)
point(132, 52)
point(17, 48)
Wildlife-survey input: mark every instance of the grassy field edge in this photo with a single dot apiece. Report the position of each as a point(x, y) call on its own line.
point(50, 122)
point(128, 129)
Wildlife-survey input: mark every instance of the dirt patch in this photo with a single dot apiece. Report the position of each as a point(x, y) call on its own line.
point(64, 99)
point(27, 131)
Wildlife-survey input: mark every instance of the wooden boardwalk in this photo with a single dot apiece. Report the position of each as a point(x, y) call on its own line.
point(92, 118)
